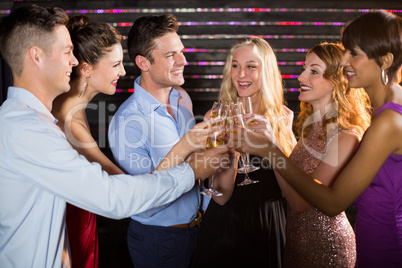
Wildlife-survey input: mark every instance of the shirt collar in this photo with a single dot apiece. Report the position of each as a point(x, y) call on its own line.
point(30, 100)
point(148, 102)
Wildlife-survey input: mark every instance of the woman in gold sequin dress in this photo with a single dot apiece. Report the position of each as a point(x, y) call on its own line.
point(330, 125)
point(331, 122)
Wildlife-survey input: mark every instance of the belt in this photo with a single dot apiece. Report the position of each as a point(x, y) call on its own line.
point(193, 223)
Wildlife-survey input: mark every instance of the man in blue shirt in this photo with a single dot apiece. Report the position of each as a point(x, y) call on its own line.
point(39, 170)
point(144, 129)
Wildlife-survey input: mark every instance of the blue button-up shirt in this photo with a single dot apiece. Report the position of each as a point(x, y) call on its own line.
point(40, 171)
point(141, 134)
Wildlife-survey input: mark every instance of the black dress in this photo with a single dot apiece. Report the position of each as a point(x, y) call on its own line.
point(249, 230)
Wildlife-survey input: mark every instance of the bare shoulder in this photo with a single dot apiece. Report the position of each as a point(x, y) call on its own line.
point(345, 139)
point(387, 121)
point(80, 134)
point(349, 137)
point(382, 138)
point(388, 126)
point(341, 148)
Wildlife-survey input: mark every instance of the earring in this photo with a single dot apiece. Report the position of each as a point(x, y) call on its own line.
point(84, 87)
point(384, 77)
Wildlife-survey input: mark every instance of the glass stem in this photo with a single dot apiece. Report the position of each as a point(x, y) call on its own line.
point(245, 160)
point(212, 182)
point(246, 174)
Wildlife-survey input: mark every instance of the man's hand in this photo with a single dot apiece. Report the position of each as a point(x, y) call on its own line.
point(196, 138)
point(207, 162)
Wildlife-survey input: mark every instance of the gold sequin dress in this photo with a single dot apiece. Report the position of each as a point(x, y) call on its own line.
point(312, 238)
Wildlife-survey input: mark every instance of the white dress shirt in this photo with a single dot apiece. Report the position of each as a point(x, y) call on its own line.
point(40, 172)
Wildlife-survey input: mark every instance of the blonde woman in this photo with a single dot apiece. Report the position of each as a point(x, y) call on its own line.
point(246, 226)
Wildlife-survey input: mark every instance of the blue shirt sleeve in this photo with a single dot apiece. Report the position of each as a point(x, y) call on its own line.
point(128, 142)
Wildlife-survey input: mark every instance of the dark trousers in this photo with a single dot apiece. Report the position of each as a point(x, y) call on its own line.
point(155, 246)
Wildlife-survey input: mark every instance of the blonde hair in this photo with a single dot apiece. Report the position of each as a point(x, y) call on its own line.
point(271, 91)
point(353, 105)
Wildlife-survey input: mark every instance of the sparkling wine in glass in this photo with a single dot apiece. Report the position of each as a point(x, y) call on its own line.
point(238, 119)
point(216, 138)
point(246, 109)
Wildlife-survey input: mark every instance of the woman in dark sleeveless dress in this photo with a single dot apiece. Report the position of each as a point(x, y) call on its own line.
point(246, 226)
point(247, 231)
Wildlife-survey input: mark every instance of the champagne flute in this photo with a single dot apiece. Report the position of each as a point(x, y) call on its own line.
point(245, 157)
point(216, 138)
point(247, 109)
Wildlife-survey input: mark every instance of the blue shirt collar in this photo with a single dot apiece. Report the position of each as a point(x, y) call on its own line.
point(30, 100)
point(148, 102)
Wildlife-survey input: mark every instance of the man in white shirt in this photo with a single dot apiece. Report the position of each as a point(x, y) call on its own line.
point(39, 170)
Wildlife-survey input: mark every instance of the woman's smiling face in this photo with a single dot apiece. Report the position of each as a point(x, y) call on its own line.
point(314, 88)
point(245, 71)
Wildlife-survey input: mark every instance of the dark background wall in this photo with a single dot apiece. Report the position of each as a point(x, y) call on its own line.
point(208, 28)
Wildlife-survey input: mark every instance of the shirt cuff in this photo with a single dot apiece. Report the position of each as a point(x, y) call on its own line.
point(184, 176)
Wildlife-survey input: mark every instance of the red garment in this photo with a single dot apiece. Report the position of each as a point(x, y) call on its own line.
point(83, 238)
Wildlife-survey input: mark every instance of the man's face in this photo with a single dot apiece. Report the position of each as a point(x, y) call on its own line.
point(169, 61)
point(59, 61)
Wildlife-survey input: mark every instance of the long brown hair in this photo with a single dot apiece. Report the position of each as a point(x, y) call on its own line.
point(352, 104)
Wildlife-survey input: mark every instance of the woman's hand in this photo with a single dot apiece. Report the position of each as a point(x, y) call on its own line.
point(261, 124)
point(246, 141)
point(290, 116)
point(257, 123)
point(253, 139)
point(289, 122)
